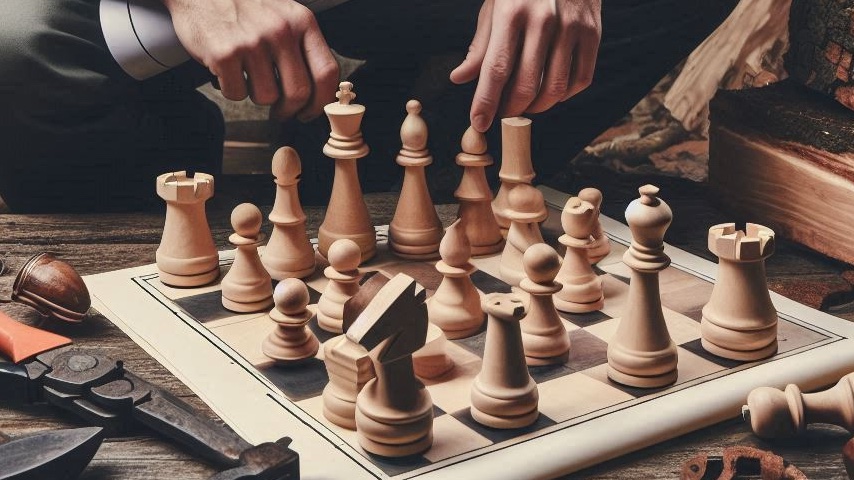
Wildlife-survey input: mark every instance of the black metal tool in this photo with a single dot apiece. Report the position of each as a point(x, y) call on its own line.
point(57, 454)
point(99, 389)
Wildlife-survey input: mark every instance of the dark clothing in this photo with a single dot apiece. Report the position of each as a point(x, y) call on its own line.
point(80, 135)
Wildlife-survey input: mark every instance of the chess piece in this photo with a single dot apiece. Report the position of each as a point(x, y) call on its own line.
point(187, 255)
point(347, 215)
point(582, 288)
point(415, 231)
point(455, 306)
point(343, 274)
point(516, 166)
point(291, 341)
point(601, 246)
point(247, 287)
point(641, 352)
point(432, 360)
point(288, 254)
point(503, 395)
point(526, 209)
point(740, 322)
point(349, 368)
point(780, 414)
point(544, 337)
point(394, 412)
point(475, 197)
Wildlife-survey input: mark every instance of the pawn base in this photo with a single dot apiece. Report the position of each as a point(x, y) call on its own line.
point(543, 361)
point(247, 307)
point(578, 307)
point(414, 254)
point(189, 281)
point(655, 381)
point(393, 451)
point(289, 355)
point(331, 325)
point(504, 423)
point(281, 274)
point(740, 355)
point(483, 250)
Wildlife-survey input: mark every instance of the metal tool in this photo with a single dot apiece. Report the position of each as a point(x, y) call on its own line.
point(100, 390)
point(57, 454)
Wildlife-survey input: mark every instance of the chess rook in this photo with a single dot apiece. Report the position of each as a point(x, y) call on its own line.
point(582, 289)
point(455, 306)
point(291, 341)
point(394, 412)
point(475, 197)
point(526, 210)
point(247, 287)
point(415, 231)
point(740, 322)
point(347, 215)
point(544, 337)
point(780, 414)
point(641, 352)
point(343, 274)
point(187, 255)
point(503, 395)
point(288, 254)
point(516, 165)
point(601, 245)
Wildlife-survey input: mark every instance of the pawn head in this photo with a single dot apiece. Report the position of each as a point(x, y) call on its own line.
point(291, 296)
point(344, 255)
point(526, 204)
point(246, 220)
point(286, 165)
point(473, 142)
point(455, 248)
point(541, 263)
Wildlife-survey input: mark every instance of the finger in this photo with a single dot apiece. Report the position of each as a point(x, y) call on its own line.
point(324, 73)
point(263, 88)
point(528, 76)
point(232, 82)
point(583, 65)
point(501, 56)
point(555, 85)
point(469, 69)
point(294, 81)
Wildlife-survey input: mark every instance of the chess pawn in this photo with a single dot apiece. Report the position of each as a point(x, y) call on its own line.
point(455, 306)
point(641, 352)
point(582, 288)
point(601, 245)
point(780, 414)
point(291, 341)
point(503, 394)
point(343, 274)
point(247, 287)
point(526, 210)
point(544, 337)
point(475, 197)
point(187, 255)
point(347, 215)
point(288, 254)
point(415, 231)
point(516, 166)
point(740, 322)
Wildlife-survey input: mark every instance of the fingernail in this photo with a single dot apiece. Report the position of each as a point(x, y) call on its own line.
point(480, 123)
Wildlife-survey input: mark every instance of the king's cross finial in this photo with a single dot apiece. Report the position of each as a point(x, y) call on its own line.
point(345, 93)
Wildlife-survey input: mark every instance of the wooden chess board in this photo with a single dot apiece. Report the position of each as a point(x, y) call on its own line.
point(584, 417)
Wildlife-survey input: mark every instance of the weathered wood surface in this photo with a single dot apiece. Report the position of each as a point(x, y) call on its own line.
point(97, 243)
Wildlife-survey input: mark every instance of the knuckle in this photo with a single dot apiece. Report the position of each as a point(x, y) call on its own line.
point(499, 69)
point(328, 72)
point(298, 94)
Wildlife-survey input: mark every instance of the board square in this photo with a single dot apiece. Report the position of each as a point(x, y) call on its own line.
point(498, 435)
point(584, 319)
point(486, 283)
point(575, 395)
point(301, 381)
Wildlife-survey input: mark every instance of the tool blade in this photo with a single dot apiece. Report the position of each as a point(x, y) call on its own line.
point(57, 454)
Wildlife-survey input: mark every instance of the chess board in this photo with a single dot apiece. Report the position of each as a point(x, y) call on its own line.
point(584, 417)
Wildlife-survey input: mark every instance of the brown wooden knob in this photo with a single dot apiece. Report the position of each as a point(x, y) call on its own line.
point(52, 287)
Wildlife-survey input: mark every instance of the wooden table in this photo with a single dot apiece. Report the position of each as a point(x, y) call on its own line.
point(97, 243)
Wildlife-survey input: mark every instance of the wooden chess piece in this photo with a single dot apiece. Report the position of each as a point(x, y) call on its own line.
point(503, 395)
point(187, 255)
point(526, 210)
point(455, 306)
point(582, 288)
point(53, 288)
point(288, 254)
point(247, 287)
point(432, 360)
point(415, 231)
point(780, 414)
point(343, 274)
point(544, 337)
point(291, 341)
point(394, 412)
point(740, 322)
point(601, 245)
point(347, 215)
point(475, 197)
point(516, 165)
point(641, 352)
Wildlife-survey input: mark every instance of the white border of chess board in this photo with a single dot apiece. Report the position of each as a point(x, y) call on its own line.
point(259, 412)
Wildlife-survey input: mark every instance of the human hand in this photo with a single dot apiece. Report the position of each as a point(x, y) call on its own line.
point(271, 50)
point(529, 55)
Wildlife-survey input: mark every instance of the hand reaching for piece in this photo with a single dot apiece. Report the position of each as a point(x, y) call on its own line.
point(271, 50)
point(529, 55)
